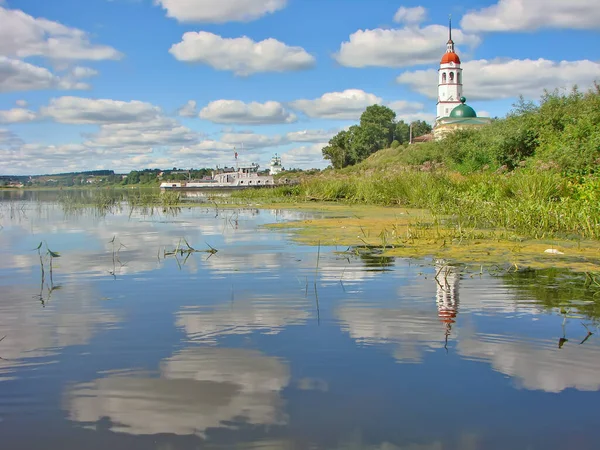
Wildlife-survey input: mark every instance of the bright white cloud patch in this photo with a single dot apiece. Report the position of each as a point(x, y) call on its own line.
point(304, 157)
point(238, 112)
point(498, 79)
point(17, 115)
point(310, 135)
point(251, 140)
point(21, 103)
point(529, 15)
point(139, 137)
point(404, 47)
point(188, 110)
point(78, 110)
point(346, 105)
point(17, 75)
point(410, 111)
point(219, 11)
point(242, 56)
point(410, 15)
point(23, 36)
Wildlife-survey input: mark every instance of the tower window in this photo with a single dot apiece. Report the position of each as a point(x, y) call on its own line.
point(444, 77)
point(458, 77)
point(451, 77)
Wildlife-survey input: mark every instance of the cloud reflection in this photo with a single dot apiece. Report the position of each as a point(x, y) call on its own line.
point(199, 389)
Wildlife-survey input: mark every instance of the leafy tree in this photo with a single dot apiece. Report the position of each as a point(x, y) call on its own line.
point(420, 128)
point(402, 132)
point(383, 117)
point(339, 150)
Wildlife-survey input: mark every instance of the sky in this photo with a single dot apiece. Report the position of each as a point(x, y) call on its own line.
point(134, 84)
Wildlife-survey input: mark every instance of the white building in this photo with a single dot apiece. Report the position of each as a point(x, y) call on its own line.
point(275, 167)
point(450, 88)
point(452, 111)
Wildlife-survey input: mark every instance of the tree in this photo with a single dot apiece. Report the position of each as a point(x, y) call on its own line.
point(383, 117)
point(402, 132)
point(339, 150)
point(368, 139)
point(420, 128)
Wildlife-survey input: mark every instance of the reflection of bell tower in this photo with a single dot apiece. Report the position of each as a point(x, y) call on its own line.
point(446, 296)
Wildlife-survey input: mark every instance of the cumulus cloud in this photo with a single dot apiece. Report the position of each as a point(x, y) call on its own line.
point(23, 36)
point(529, 15)
point(17, 115)
point(219, 11)
point(17, 75)
point(403, 47)
point(310, 135)
point(242, 56)
point(238, 112)
point(21, 103)
point(252, 140)
point(188, 110)
point(305, 157)
point(78, 110)
point(509, 78)
point(410, 15)
point(346, 105)
point(159, 132)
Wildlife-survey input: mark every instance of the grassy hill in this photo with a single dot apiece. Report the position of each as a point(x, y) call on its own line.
point(535, 172)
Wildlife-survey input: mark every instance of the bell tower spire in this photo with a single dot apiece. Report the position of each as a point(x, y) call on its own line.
point(450, 45)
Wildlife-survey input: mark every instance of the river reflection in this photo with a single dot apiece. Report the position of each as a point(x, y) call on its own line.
point(258, 346)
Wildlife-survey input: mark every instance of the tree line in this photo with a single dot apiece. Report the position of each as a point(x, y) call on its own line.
point(378, 129)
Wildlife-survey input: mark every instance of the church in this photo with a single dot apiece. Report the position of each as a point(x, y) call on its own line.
point(453, 113)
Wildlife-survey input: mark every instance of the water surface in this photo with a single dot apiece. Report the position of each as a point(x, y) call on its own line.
point(127, 346)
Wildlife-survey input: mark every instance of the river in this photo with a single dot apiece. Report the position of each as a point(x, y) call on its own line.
point(199, 328)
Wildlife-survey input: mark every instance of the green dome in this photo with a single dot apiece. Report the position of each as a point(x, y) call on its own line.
point(463, 111)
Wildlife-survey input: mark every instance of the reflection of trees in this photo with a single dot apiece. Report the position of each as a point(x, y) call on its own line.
point(556, 288)
point(373, 260)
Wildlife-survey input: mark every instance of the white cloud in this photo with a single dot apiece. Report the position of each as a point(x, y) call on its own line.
point(410, 111)
point(16, 75)
point(304, 157)
point(509, 78)
point(409, 46)
point(346, 105)
point(16, 115)
point(242, 56)
point(220, 11)
point(236, 111)
point(78, 110)
point(310, 135)
point(188, 110)
point(410, 15)
point(21, 103)
point(23, 36)
point(251, 140)
point(529, 15)
point(159, 132)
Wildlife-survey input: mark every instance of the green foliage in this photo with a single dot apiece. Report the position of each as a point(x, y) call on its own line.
point(562, 132)
point(378, 129)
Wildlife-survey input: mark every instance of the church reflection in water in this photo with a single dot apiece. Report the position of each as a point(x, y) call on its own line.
point(446, 297)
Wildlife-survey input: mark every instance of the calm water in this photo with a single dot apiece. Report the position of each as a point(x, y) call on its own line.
point(124, 347)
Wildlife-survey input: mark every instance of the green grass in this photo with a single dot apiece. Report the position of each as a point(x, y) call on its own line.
point(532, 203)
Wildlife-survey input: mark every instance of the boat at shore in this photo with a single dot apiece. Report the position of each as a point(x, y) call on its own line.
point(242, 177)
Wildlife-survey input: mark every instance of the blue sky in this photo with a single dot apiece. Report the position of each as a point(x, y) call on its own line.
point(129, 84)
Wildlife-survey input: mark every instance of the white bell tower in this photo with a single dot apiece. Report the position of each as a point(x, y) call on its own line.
point(450, 87)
